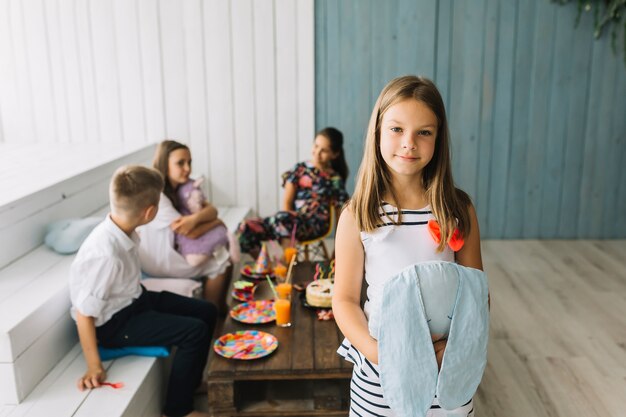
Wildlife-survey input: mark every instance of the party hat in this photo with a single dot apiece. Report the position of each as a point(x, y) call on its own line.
point(263, 265)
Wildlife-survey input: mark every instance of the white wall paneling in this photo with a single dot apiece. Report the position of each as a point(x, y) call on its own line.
point(242, 24)
point(286, 83)
point(234, 80)
point(265, 102)
point(218, 63)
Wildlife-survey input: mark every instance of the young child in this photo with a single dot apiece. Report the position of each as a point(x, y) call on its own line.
point(112, 309)
point(404, 182)
point(311, 187)
point(158, 250)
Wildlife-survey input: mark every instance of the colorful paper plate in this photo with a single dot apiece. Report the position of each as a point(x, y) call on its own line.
point(242, 295)
point(248, 271)
point(254, 312)
point(245, 345)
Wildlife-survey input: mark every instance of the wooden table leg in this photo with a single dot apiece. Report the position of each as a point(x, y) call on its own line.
point(221, 397)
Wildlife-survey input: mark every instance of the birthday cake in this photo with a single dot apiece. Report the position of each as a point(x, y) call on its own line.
point(319, 293)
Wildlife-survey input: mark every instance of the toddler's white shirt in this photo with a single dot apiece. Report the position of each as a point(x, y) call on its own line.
point(105, 275)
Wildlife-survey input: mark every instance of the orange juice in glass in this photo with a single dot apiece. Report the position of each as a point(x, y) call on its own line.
point(290, 252)
point(284, 290)
point(282, 307)
point(280, 271)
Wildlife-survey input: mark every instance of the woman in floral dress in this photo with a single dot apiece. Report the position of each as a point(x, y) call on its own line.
point(311, 188)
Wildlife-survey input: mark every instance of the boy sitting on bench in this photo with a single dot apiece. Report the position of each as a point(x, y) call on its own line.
point(112, 309)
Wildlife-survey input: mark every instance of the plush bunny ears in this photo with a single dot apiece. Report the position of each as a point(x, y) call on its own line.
point(198, 181)
point(456, 241)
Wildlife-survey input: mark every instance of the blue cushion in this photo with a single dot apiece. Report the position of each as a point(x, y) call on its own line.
point(65, 236)
point(112, 353)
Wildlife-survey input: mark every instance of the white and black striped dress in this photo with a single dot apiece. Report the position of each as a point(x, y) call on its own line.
point(388, 250)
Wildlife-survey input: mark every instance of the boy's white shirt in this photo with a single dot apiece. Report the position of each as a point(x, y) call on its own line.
point(158, 256)
point(105, 275)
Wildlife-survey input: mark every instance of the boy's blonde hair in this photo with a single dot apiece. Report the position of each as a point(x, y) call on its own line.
point(133, 188)
point(449, 204)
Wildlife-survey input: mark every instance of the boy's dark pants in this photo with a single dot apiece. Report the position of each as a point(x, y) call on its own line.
point(167, 319)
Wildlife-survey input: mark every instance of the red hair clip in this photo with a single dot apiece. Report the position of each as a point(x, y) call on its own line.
point(456, 241)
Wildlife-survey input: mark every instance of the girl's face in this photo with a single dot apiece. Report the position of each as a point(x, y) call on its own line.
point(322, 152)
point(407, 137)
point(179, 167)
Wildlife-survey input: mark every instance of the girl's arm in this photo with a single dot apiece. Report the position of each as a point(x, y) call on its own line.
point(289, 197)
point(188, 225)
point(202, 228)
point(347, 290)
point(87, 334)
point(469, 255)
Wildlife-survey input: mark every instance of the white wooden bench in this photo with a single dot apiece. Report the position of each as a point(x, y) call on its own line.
point(40, 358)
point(34, 310)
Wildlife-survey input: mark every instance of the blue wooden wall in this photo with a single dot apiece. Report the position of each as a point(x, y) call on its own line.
point(537, 108)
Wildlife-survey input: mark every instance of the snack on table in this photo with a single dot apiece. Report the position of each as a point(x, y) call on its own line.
point(243, 285)
point(319, 293)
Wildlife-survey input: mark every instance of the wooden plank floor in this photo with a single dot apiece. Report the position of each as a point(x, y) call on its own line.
point(558, 329)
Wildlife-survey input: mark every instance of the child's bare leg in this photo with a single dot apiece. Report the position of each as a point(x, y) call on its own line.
point(195, 259)
point(215, 290)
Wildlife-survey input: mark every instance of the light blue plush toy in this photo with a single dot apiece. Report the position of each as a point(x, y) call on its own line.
point(65, 236)
point(425, 299)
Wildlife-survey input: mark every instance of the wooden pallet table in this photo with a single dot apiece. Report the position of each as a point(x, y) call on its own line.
point(303, 377)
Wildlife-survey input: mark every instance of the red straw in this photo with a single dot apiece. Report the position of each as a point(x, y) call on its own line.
point(293, 236)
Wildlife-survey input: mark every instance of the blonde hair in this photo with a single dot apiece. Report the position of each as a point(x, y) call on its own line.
point(449, 204)
point(134, 188)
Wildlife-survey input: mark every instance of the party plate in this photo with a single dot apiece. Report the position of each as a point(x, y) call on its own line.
point(245, 345)
point(254, 312)
point(245, 296)
point(248, 271)
point(243, 290)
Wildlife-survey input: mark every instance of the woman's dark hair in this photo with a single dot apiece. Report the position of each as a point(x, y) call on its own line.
point(161, 163)
point(338, 164)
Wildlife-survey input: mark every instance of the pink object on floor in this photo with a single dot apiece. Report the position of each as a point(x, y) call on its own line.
point(115, 385)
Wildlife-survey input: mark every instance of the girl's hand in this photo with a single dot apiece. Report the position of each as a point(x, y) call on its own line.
point(184, 225)
point(440, 347)
point(92, 378)
point(371, 351)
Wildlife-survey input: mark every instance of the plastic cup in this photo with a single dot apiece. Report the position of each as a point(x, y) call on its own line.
point(283, 290)
point(280, 271)
point(290, 253)
point(282, 307)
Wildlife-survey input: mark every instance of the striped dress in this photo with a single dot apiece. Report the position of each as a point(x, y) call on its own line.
point(388, 250)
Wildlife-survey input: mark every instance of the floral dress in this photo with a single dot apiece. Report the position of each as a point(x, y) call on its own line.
point(316, 190)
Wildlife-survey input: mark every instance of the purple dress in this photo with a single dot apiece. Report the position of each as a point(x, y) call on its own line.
point(190, 198)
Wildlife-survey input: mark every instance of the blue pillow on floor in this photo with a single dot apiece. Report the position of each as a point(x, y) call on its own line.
point(107, 354)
